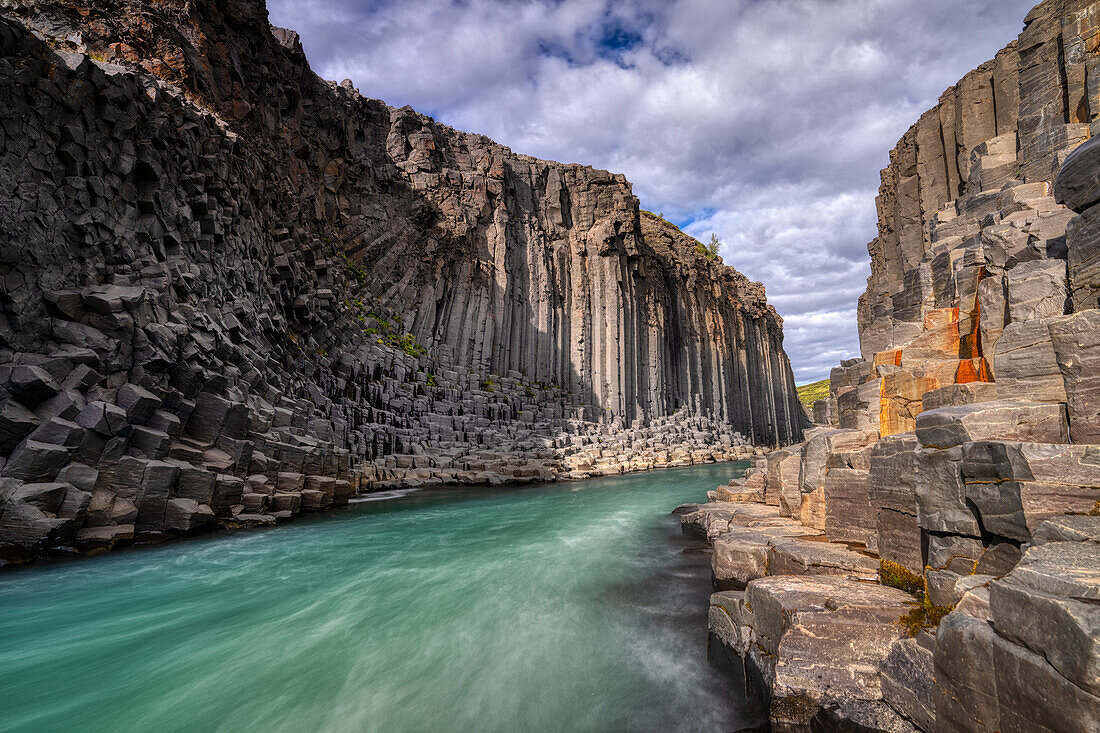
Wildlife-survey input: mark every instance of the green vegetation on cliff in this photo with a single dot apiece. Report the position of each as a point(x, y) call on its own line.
point(808, 394)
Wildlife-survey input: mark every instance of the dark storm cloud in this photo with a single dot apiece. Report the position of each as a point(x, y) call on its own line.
point(764, 121)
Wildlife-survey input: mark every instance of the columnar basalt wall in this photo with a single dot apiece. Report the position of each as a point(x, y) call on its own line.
point(960, 457)
point(231, 291)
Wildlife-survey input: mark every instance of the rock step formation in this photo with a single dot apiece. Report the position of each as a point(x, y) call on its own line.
point(231, 292)
point(833, 639)
point(963, 449)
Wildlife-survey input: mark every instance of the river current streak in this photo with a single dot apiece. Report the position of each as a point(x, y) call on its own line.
point(568, 607)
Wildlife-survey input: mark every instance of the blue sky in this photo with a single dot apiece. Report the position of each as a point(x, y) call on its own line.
point(764, 121)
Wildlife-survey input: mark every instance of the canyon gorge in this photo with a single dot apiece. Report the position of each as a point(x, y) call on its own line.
point(233, 294)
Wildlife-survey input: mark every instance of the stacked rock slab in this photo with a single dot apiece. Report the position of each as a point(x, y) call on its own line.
point(231, 292)
point(962, 451)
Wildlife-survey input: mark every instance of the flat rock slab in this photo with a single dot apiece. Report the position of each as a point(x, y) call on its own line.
point(1032, 422)
point(814, 640)
point(741, 555)
point(714, 519)
point(1069, 528)
point(798, 556)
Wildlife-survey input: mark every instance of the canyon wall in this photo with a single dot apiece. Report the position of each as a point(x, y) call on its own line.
point(231, 291)
point(959, 459)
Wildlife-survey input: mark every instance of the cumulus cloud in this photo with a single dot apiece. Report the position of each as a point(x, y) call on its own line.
point(763, 121)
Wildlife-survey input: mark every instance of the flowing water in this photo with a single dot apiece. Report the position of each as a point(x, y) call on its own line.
point(569, 607)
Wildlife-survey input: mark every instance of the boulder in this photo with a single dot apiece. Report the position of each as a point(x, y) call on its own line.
point(954, 395)
point(966, 680)
point(1078, 183)
point(1033, 422)
point(34, 461)
point(106, 419)
point(1083, 241)
point(816, 455)
point(16, 423)
point(741, 555)
point(941, 493)
point(818, 557)
point(787, 476)
point(137, 402)
point(1037, 290)
point(31, 384)
point(1050, 604)
point(187, 516)
point(1015, 487)
point(1068, 528)
point(816, 641)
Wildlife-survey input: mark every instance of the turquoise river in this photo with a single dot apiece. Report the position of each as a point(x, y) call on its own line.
point(568, 607)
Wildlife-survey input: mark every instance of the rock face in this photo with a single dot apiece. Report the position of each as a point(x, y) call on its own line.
point(231, 291)
point(963, 448)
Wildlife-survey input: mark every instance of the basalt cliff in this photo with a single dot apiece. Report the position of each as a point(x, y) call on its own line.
point(231, 292)
point(929, 558)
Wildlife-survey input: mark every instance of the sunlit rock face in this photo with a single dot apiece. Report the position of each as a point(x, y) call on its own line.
point(980, 377)
point(231, 292)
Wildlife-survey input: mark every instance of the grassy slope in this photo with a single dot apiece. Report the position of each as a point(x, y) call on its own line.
point(811, 393)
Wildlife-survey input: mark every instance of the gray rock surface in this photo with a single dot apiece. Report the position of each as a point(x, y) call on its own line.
point(814, 640)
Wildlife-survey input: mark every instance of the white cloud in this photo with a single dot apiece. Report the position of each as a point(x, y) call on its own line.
point(765, 121)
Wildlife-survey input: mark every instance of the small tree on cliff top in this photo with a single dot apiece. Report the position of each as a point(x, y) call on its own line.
point(710, 249)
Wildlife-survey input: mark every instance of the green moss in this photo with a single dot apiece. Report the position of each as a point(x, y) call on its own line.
point(354, 270)
point(896, 576)
point(808, 394)
point(924, 617)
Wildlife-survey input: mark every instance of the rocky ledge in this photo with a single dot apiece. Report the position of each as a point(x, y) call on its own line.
point(958, 461)
point(834, 637)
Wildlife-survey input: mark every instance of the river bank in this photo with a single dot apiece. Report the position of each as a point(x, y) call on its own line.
point(261, 501)
point(558, 607)
point(834, 637)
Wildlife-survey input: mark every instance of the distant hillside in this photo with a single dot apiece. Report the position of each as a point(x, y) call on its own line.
point(808, 394)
